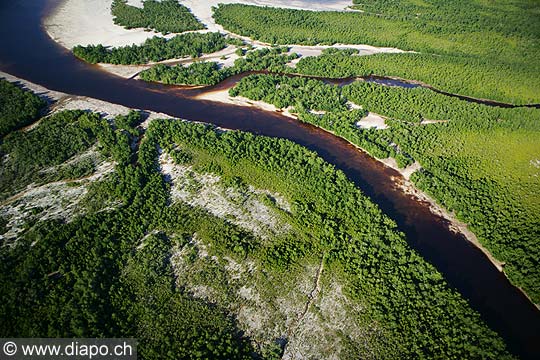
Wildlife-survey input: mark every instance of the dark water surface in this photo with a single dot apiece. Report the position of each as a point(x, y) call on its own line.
point(27, 52)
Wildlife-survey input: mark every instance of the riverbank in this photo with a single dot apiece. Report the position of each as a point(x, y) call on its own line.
point(59, 101)
point(63, 101)
point(403, 182)
point(81, 22)
point(223, 96)
point(224, 58)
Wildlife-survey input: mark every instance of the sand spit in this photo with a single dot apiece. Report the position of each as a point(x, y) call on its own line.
point(223, 96)
point(83, 22)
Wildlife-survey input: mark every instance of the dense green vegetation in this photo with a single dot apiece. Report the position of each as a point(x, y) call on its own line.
point(283, 91)
point(54, 141)
point(210, 73)
point(479, 161)
point(109, 271)
point(84, 278)
point(318, 104)
point(491, 52)
point(337, 228)
point(17, 107)
point(198, 73)
point(459, 75)
point(153, 49)
point(440, 28)
point(165, 16)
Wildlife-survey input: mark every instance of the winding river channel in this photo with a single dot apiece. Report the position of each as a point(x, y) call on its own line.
point(27, 52)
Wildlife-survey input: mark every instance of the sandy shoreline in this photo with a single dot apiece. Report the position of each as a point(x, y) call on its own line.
point(223, 96)
point(224, 58)
point(82, 22)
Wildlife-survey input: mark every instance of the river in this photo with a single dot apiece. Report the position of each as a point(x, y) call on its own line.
point(27, 52)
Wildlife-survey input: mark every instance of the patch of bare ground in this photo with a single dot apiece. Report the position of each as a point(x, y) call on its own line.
point(314, 318)
point(241, 207)
point(372, 121)
point(428, 121)
point(330, 329)
point(55, 200)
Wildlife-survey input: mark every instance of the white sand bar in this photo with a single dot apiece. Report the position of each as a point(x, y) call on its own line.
point(84, 22)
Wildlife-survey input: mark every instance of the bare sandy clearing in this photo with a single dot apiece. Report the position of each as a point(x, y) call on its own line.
point(55, 200)
point(427, 121)
point(240, 207)
point(305, 50)
point(372, 120)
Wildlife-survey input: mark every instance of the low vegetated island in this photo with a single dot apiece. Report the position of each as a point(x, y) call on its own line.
point(153, 50)
point(210, 73)
point(485, 50)
point(165, 16)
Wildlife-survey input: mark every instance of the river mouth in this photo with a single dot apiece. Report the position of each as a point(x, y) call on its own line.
point(30, 54)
